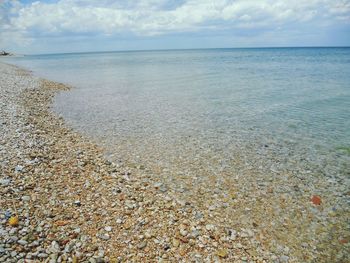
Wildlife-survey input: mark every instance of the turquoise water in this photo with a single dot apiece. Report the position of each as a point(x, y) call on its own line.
point(158, 106)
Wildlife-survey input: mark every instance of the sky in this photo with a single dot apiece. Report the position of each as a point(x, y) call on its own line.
point(59, 26)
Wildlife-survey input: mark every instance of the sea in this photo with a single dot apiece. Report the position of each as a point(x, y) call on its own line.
point(196, 112)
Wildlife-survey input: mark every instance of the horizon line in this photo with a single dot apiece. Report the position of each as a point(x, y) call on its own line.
point(175, 49)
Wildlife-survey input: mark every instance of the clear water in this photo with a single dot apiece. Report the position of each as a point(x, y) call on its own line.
point(163, 108)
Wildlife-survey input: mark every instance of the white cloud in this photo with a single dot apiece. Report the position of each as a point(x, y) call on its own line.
point(151, 17)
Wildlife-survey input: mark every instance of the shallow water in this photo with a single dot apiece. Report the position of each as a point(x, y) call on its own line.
point(196, 111)
point(241, 138)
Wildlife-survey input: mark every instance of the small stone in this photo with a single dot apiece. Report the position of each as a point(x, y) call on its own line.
point(284, 259)
point(250, 233)
point(343, 241)
point(13, 221)
point(163, 189)
point(8, 214)
point(129, 204)
point(148, 234)
point(198, 215)
point(54, 257)
point(19, 168)
point(244, 235)
point(101, 253)
point(316, 200)
point(108, 228)
point(55, 247)
point(212, 208)
point(142, 245)
point(157, 185)
point(105, 237)
point(69, 247)
point(5, 182)
point(222, 253)
point(42, 255)
point(26, 198)
point(176, 242)
point(209, 227)
point(195, 233)
point(13, 239)
point(22, 242)
point(304, 245)
point(183, 232)
point(182, 252)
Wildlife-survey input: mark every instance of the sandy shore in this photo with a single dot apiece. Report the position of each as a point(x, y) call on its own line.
point(74, 205)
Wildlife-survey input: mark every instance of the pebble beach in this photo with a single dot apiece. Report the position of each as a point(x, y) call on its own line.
point(73, 204)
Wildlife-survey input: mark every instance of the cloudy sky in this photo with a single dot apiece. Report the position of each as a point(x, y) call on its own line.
point(53, 26)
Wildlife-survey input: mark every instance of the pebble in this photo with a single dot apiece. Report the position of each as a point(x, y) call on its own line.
point(69, 247)
point(55, 247)
point(22, 242)
point(158, 184)
point(183, 232)
point(142, 245)
point(284, 259)
point(5, 182)
point(19, 168)
point(222, 253)
point(105, 236)
point(195, 233)
point(54, 257)
point(42, 255)
point(26, 198)
point(129, 204)
point(176, 242)
point(209, 227)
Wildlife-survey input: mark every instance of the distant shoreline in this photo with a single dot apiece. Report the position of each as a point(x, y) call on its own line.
point(10, 55)
point(4, 53)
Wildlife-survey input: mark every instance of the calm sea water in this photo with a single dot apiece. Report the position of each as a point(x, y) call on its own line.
point(169, 107)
